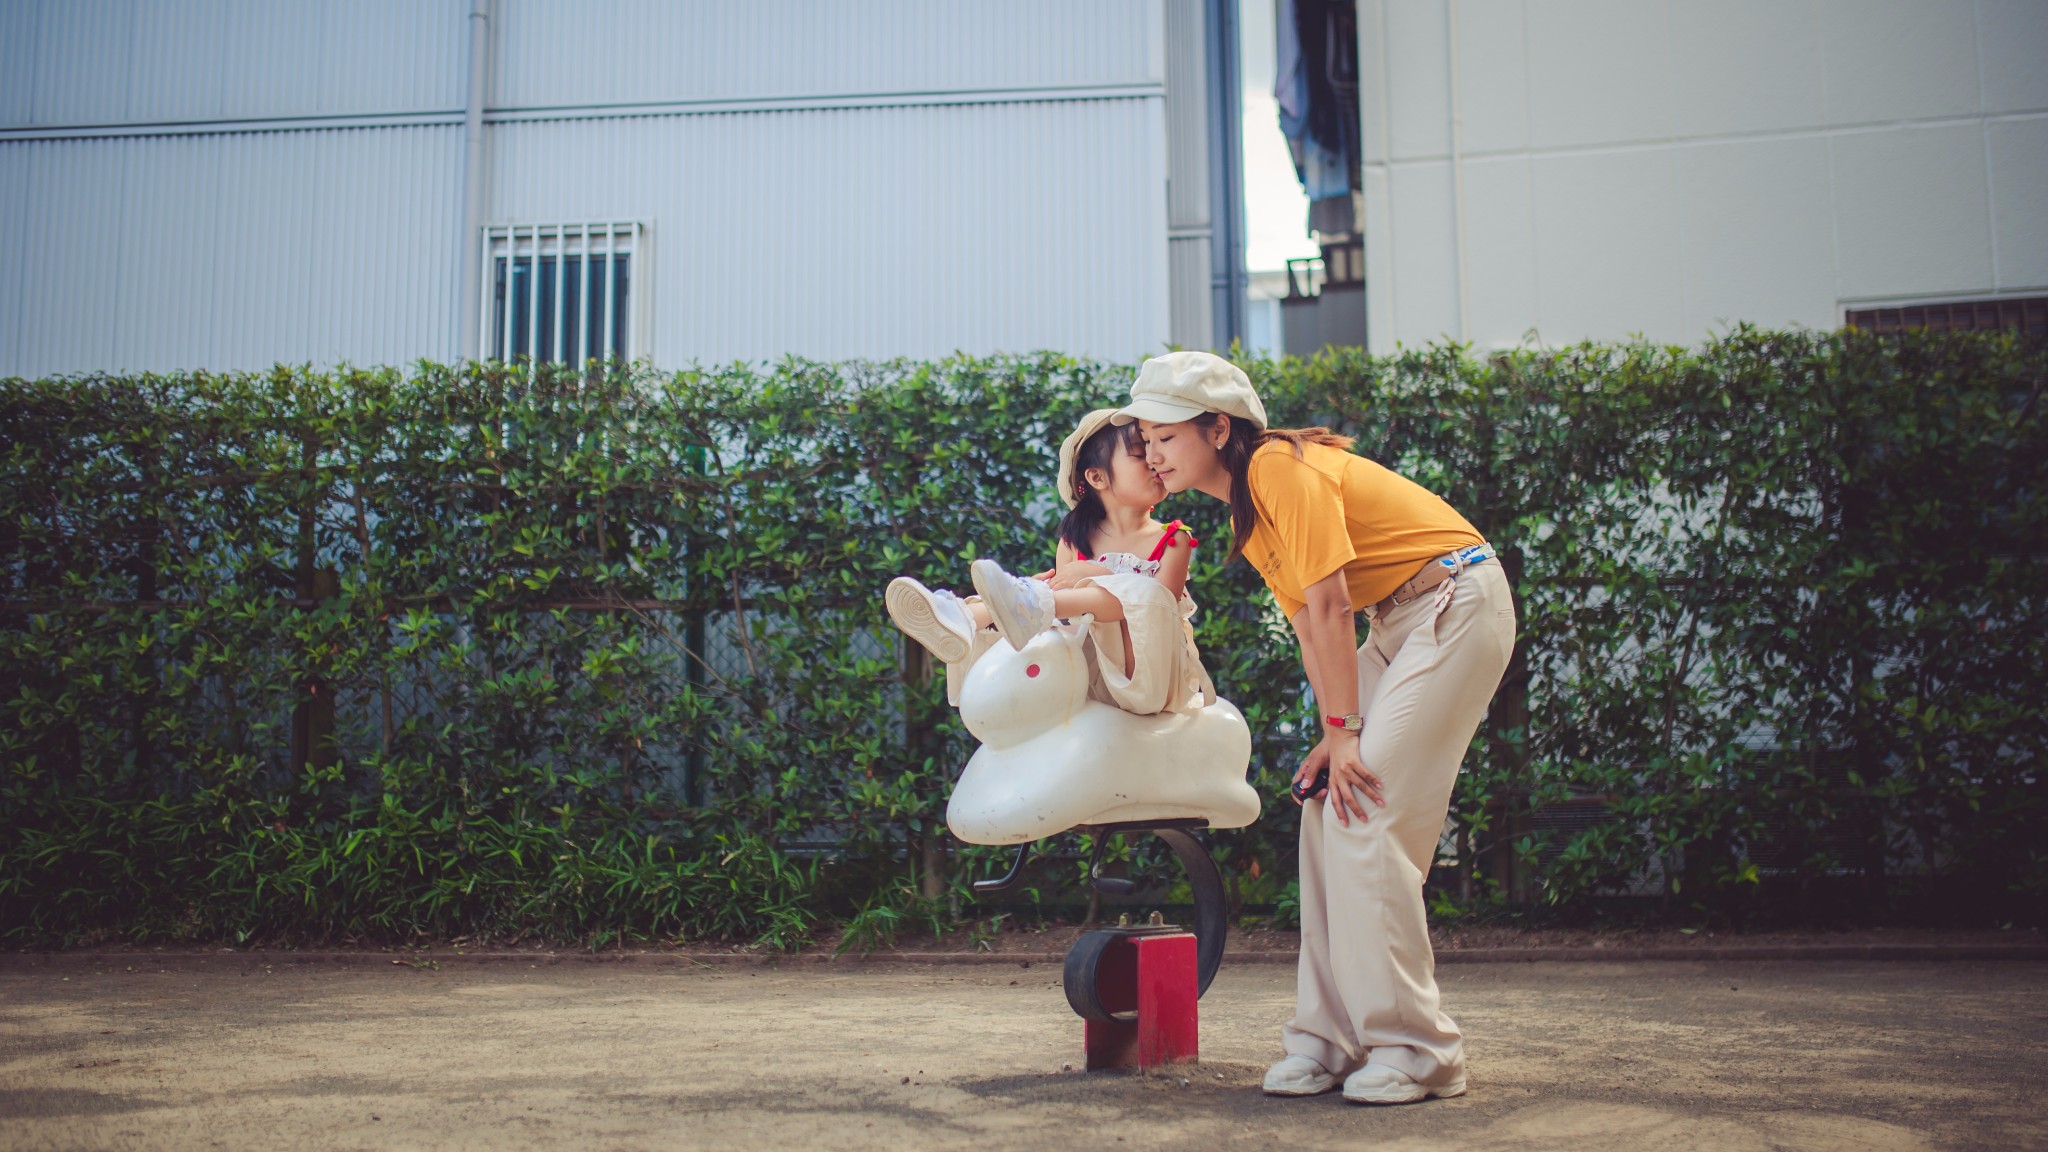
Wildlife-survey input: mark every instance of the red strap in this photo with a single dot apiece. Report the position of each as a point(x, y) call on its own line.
point(1159, 549)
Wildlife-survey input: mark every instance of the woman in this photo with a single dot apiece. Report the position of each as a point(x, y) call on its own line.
point(1335, 534)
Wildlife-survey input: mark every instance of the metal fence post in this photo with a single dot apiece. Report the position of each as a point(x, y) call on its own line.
point(917, 743)
point(313, 715)
point(146, 591)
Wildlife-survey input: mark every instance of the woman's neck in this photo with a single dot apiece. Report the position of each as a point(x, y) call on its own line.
point(1217, 485)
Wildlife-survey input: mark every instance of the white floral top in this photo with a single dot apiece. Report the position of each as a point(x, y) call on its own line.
point(1136, 565)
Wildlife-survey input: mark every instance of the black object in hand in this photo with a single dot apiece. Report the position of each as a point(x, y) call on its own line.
point(1321, 782)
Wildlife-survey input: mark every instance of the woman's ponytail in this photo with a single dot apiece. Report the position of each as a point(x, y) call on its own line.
point(1236, 455)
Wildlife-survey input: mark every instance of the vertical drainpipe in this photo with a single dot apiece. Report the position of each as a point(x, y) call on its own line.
point(1228, 278)
point(1457, 168)
point(469, 307)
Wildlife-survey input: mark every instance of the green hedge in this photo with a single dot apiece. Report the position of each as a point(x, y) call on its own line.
point(463, 651)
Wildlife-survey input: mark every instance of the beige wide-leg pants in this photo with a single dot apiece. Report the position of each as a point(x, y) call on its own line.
point(1166, 670)
point(1366, 990)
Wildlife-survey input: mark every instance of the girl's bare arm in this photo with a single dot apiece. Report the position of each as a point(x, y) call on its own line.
point(1173, 565)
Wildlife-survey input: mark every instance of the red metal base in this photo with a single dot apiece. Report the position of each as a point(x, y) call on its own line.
point(1156, 976)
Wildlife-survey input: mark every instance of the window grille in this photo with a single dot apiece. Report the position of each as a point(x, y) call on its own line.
point(562, 292)
point(2027, 315)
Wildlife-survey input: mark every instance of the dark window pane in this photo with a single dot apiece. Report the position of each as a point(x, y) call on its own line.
point(560, 310)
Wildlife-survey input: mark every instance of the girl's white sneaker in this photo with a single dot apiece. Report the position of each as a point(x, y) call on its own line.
point(937, 620)
point(1021, 606)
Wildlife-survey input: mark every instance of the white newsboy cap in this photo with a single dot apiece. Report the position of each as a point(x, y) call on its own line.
point(1182, 385)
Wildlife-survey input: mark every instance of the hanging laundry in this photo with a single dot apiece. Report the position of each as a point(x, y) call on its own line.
point(1316, 86)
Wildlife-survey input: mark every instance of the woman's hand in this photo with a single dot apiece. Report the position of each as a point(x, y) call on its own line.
point(1347, 772)
point(1318, 757)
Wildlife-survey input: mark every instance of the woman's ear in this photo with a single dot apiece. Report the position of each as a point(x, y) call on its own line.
point(1219, 432)
point(1095, 478)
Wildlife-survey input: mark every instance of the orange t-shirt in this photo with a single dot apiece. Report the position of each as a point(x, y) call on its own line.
point(1329, 509)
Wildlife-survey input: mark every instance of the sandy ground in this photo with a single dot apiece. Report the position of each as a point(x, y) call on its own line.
point(1677, 1055)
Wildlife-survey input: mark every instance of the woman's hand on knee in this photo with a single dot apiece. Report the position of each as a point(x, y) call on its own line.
point(1350, 778)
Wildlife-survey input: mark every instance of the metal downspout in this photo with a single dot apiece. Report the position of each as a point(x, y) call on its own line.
point(1228, 280)
point(469, 307)
point(1458, 169)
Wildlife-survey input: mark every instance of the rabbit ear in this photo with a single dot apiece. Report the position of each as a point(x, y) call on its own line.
point(1076, 632)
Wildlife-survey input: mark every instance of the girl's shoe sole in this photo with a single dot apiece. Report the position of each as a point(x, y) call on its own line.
point(910, 607)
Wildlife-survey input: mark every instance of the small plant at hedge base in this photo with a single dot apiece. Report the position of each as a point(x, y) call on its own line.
point(982, 936)
point(1287, 906)
point(872, 928)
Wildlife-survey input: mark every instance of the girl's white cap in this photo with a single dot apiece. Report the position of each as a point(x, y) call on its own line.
point(1071, 447)
point(1182, 385)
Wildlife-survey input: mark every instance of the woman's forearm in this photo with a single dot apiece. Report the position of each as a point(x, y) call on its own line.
point(1329, 638)
point(1329, 645)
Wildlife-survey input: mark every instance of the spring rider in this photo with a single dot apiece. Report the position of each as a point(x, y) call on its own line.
point(1052, 760)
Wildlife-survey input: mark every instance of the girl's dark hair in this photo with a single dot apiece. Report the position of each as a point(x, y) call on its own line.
point(1078, 526)
point(1245, 439)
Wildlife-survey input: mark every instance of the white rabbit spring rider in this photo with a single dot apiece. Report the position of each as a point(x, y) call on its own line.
point(1051, 760)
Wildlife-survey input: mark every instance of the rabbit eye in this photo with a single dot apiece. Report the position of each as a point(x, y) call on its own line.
point(1031, 670)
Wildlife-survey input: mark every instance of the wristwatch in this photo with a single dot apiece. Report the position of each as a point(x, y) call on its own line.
point(1352, 723)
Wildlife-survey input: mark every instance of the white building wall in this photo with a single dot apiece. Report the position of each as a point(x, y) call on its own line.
point(565, 53)
point(229, 251)
point(229, 184)
point(871, 232)
point(1670, 167)
point(100, 62)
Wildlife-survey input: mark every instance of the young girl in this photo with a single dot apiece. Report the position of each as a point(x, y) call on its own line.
point(1114, 563)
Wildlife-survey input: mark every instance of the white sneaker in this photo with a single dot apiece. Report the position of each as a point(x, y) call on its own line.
point(1379, 1084)
point(937, 620)
point(1298, 1076)
point(1022, 606)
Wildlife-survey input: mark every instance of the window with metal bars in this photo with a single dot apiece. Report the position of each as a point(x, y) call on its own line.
point(2028, 315)
point(561, 292)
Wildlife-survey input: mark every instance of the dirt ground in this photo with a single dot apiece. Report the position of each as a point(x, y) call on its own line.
point(235, 1053)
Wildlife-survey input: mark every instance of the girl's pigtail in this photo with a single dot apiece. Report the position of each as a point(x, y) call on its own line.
point(1078, 526)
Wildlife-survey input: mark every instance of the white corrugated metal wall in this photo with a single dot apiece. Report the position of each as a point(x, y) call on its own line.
point(867, 232)
point(228, 251)
point(551, 54)
point(228, 184)
point(89, 62)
